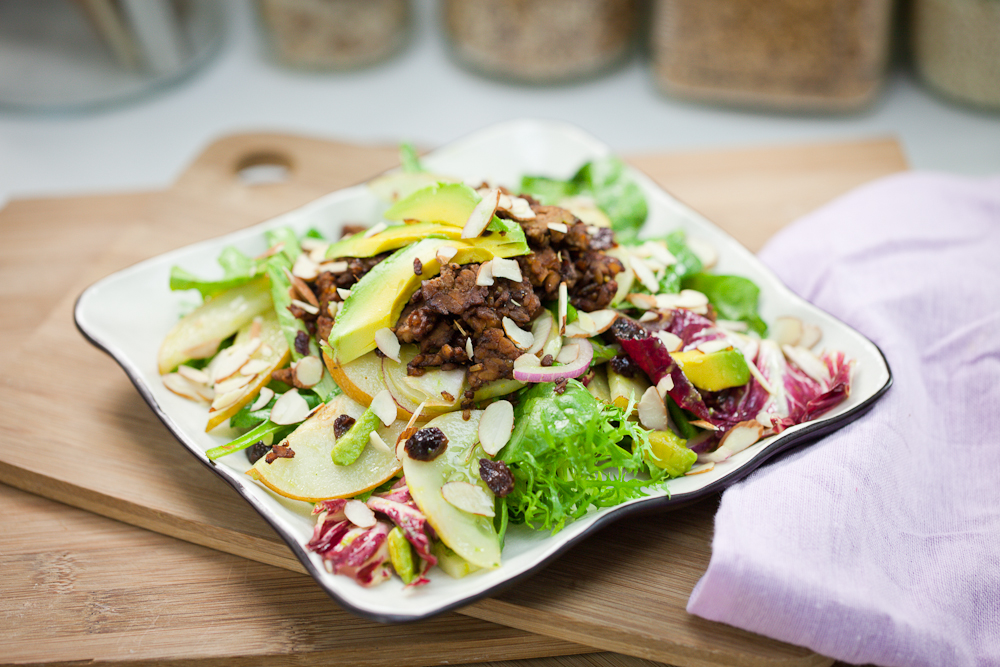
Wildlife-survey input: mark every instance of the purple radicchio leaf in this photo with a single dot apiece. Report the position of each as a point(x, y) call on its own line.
point(797, 397)
point(410, 520)
point(359, 553)
point(693, 329)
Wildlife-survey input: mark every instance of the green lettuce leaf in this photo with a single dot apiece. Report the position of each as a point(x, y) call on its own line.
point(733, 297)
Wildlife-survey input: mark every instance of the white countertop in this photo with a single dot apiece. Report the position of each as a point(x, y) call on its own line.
point(424, 97)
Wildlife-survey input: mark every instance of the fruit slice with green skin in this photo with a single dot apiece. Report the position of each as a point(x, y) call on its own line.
point(453, 565)
point(392, 238)
point(669, 452)
point(198, 334)
point(448, 203)
point(714, 371)
point(378, 298)
point(470, 536)
point(598, 385)
point(311, 475)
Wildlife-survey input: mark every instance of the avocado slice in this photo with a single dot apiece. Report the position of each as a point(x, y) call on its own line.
point(392, 238)
point(714, 371)
point(378, 298)
point(447, 203)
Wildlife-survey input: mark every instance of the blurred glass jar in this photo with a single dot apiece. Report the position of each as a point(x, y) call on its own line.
point(336, 34)
point(541, 41)
point(814, 55)
point(957, 48)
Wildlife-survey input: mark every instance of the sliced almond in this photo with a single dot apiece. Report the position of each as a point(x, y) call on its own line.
point(735, 441)
point(309, 244)
point(194, 375)
point(304, 268)
point(644, 301)
point(670, 341)
point(485, 276)
point(445, 254)
point(468, 348)
point(574, 330)
point(506, 268)
point(384, 407)
point(181, 386)
point(481, 215)
point(256, 326)
point(603, 319)
point(375, 229)
point(344, 294)
point(228, 362)
point(518, 207)
point(223, 401)
point(664, 386)
point(318, 255)
point(332, 307)
point(563, 306)
point(586, 322)
point(263, 398)
point(308, 307)
point(688, 299)
point(568, 354)
point(234, 382)
point(649, 315)
point(495, 426)
point(334, 267)
point(290, 408)
point(701, 468)
point(309, 371)
point(811, 334)
point(644, 274)
point(708, 426)
point(378, 443)
point(658, 251)
point(808, 362)
point(470, 498)
point(704, 251)
point(785, 330)
point(717, 345)
point(653, 411)
point(206, 392)
point(203, 350)
point(411, 428)
point(541, 329)
point(522, 339)
point(732, 325)
point(359, 514)
point(255, 367)
point(302, 289)
point(558, 227)
point(527, 361)
point(387, 343)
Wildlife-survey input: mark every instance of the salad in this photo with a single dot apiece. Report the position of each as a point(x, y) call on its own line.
point(484, 356)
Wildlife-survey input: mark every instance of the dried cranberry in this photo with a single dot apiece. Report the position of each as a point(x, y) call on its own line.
point(497, 476)
point(342, 425)
point(302, 343)
point(623, 365)
point(257, 450)
point(426, 444)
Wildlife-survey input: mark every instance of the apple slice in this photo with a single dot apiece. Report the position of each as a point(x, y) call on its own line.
point(311, 475)
point(360, 379)
point(272, 353)
point(471, 536)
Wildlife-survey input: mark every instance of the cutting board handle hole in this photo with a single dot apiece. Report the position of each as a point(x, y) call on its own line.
point(263, 168)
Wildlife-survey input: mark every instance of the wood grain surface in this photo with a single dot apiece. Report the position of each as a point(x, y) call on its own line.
point(87, 439)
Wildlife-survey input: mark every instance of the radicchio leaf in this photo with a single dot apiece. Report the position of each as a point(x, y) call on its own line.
point(405, 514)
point(359, 553)
point(693, 329)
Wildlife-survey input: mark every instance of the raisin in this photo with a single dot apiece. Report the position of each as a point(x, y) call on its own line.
point(547, 360)
point(426, 444)
point(342, 425)
point(561, 384)
point(623, 365)
point(497, 476)
point(257, 450)
point(302, 343)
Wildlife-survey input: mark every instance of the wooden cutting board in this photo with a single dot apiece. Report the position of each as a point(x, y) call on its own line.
point(83, 436)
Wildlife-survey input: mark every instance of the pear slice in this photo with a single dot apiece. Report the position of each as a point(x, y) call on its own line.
point(471, 536)
point(311, 475)
point(360, 379)
point(272, 353)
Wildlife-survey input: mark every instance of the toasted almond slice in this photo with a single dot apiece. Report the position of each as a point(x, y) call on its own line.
point(334, 267)
point(263, 398)
point(558, 227)
point(468, 349)
point(506, 268)
point(255, 327)
point(704, 251)
point(223, 401)
point(309, 371)
point(717, 345)
point(568, 354)
point(808, 362)
point(687, 299)
point(234, 382)
point(574, 330)
point(194, 375)
point(305, 268)
point(653, 411)
point(786, 330)
point(485, 276)
point(603, 319)
point(181, 386)
point(206, 392)
point(203, 350)
point(586, 322)
point(658, 251)
point(387, 343)
point(563, 306)
point(309, 244)
point(300, 287)
point(272, 251)
point(527, 360)
point(732, 325)
point(664, 386)
point(735, 441)
point(343, 293)
point(811, 334)
point(644, 274)
point(701, 423)
point(644, 301)
point(470, 498)
point(308, 307)
point(375, 229)
point(384, 407)
point(290, 408)
point(411, 428)
point(481, 214)
point(228, 362)
point(649, 315)
point(378, 443)
point(359, 514)
point(445, 254)
point(701, 468)
point(254, 367)
point(522, 339)
point(519, 208)
point(670, 341)
point(495, 426)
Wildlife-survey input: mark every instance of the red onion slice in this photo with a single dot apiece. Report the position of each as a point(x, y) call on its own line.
point(574, 369)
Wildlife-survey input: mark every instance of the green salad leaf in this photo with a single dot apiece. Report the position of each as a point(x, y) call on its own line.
point(408, 158)
point(606, 180)
point(733, 297)
point(567, 454)
point(238, 269)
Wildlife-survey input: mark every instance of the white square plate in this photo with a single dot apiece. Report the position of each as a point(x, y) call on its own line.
point(128, 313)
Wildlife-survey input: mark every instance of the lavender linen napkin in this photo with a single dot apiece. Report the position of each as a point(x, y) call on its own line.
point(881, 543)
